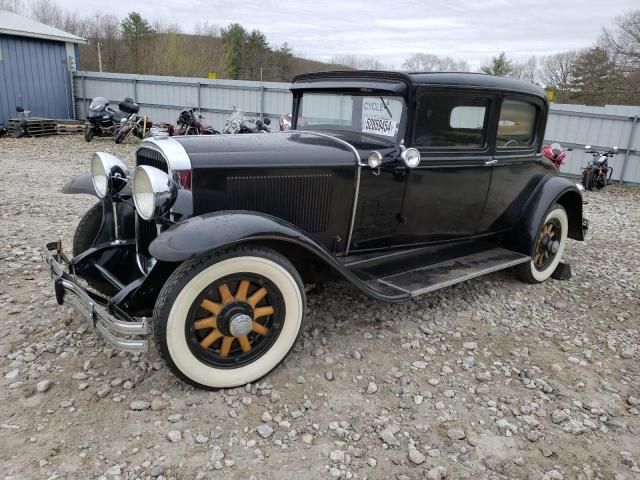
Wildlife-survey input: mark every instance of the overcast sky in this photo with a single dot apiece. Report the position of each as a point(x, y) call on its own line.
point(392, 30)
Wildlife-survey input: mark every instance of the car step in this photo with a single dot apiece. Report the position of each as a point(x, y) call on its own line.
point(449, 272)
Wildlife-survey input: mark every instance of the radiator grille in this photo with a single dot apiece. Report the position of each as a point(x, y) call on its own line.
point(146, 230)
point(151, 157)
point(302, 199)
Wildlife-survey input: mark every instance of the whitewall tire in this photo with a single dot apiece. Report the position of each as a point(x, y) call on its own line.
point(224, 320)
point(548, 248)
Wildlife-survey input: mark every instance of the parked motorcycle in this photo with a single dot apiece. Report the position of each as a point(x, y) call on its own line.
point(285, 122)
point(555, 153)
point(190, 123)
point(103, 121)
point(238, 123)
point(134, 123)
point(20, 130)
point(597, 173)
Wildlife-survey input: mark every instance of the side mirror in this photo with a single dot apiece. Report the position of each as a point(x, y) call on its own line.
point(267, 121)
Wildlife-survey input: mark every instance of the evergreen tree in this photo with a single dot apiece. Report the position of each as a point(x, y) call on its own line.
point(134, 28)
point(500, 66)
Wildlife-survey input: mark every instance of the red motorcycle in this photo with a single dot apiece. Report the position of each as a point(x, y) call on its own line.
point(555, 153)
point(189, 123)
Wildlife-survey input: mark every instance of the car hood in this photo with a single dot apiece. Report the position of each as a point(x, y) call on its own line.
point(282, 149)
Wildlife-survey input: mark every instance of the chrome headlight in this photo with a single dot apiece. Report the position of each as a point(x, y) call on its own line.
point(108, 173)
point(374, 159)
point(154, 192)
point(411, 157)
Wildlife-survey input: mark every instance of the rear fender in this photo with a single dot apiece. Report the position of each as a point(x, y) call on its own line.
point(552, 190)
point(220, 230)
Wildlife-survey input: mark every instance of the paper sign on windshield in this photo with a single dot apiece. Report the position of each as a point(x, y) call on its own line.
point(380, 116)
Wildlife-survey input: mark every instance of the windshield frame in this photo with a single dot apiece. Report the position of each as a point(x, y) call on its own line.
point(402, 127)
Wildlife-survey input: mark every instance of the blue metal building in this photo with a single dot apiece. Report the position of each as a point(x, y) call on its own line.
point(36, 68)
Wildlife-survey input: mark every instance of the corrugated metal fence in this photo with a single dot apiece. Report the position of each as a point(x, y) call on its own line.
point(162, 98)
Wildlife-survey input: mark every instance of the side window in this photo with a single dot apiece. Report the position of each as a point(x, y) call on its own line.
point(450, 121)
point(516, 126)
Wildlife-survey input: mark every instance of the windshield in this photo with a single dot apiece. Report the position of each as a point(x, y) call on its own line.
point(369, 114)
point(98, 103)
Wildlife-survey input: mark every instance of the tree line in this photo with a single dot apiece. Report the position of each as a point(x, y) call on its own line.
point(135, 45)
point(606, 72)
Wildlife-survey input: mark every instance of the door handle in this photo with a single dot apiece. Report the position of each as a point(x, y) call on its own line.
point(491, 162)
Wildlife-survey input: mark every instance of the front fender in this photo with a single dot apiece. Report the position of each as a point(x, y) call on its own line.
point(84, 184)
point(214, 231)
point(80, 184)
point(552, 190)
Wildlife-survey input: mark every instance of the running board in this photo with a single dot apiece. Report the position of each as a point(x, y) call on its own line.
point(449, 272)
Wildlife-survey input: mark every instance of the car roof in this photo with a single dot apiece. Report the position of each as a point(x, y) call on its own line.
point(335, 79)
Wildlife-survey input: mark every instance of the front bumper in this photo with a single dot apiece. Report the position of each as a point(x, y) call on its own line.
point(113, 324)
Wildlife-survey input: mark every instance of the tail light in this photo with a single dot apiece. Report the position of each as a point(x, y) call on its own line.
point(183, 177)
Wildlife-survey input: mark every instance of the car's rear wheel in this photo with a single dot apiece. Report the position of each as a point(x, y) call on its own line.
point(548, 248)
point(227, 319)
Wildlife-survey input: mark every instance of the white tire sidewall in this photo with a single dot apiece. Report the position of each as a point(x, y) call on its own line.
point(176, 340)
point(560, 215)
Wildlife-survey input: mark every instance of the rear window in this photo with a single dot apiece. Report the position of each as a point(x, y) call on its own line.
point(444, 121)
point(516, 125)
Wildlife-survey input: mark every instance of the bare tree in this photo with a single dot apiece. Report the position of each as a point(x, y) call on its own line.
point(527, 70)
point(556, 71)
point(359, 62)
point(428, 62)
point(206, 29)
point(625, 39)
point(15, 6)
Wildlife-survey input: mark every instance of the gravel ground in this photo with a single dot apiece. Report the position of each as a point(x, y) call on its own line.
point(487, 379)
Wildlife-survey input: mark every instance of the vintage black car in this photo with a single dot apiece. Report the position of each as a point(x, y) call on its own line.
point(400, 183)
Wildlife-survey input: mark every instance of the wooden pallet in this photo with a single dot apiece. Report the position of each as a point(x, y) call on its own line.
point(67, 129)
point(36, 127)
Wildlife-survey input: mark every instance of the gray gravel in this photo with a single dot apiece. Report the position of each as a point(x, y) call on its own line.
point(491, 379)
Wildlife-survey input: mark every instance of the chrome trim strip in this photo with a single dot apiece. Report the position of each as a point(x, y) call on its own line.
point(172, 150)
point(339, 140)
point(357, 188)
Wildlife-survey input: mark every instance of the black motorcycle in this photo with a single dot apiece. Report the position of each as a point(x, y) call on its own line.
point(238, 123)
point(597, 173)
point(103, 121)
point(19, 129)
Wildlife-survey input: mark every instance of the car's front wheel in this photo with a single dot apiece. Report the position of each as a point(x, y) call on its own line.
point(227, 319)
point(548, 248)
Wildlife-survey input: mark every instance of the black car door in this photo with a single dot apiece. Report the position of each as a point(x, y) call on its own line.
point(518, 167)
point(445, 195)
